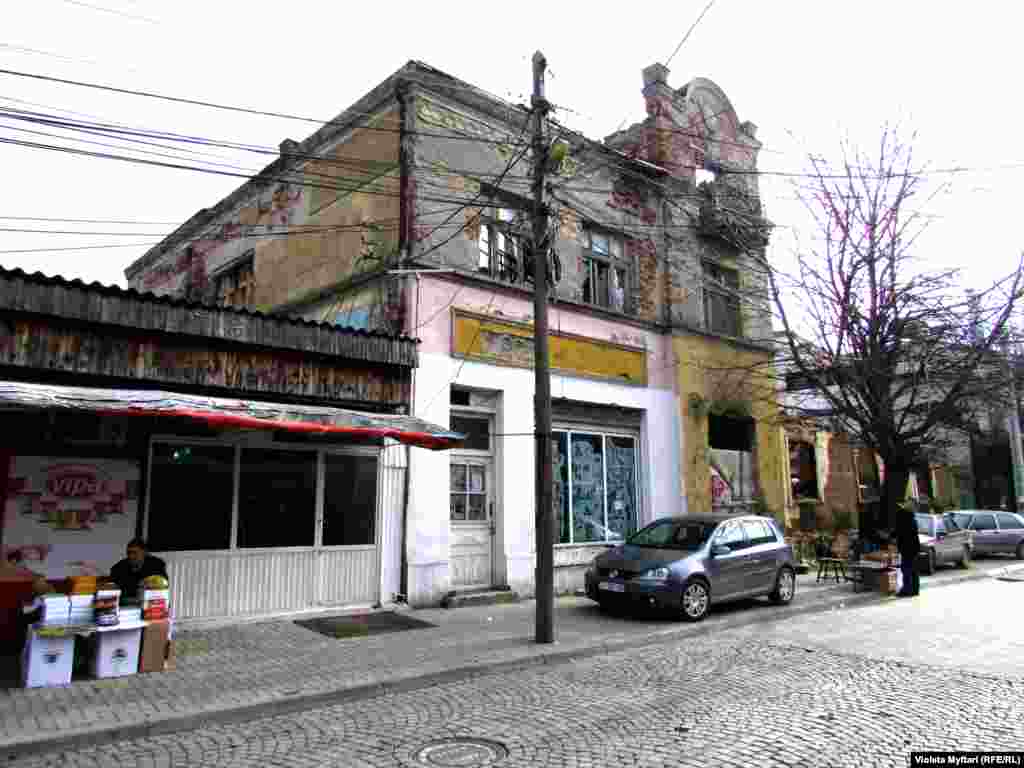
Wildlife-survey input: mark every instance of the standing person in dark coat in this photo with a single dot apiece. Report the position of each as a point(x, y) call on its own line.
point(909, 546)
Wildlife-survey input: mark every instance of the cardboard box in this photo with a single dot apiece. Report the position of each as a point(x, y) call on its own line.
point(47, 661)
point(117, 652)
point(155, 639)
point(172, 660)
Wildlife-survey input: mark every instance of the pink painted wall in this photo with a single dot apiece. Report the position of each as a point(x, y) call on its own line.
point(431, 322)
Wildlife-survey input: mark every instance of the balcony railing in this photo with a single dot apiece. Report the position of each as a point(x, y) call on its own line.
point(733, 216)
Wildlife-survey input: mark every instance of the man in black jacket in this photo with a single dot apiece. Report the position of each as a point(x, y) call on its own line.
point(130, 572)
point(910, 547)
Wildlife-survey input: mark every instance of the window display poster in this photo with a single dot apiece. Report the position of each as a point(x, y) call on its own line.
point(63, 511)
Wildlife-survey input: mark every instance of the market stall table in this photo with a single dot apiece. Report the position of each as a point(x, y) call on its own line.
point(47, 659)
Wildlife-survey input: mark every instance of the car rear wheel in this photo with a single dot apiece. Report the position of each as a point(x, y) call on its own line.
point(965, 557)
point(696, 600)
point(785, 587)
point(929, 566)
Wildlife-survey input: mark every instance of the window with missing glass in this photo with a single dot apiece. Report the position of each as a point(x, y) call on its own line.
point(608, 276)
point(731, 458)
point(191, 489)
point(477, 430)
point(595, 491)
point(721, 299)
point(501, 244)
point(235, 286)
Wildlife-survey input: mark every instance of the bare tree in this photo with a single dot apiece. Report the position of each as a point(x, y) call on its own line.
point(904, 358)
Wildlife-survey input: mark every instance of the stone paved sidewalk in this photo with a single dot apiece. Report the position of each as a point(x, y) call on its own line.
point(239, 672)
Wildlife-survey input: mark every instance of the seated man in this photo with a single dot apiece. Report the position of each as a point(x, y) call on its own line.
point(129, 573)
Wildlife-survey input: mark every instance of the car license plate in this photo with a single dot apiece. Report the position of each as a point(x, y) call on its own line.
point(611, 586)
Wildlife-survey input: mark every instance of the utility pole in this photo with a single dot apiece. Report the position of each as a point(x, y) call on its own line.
point(1013, 425)
point(544, 577)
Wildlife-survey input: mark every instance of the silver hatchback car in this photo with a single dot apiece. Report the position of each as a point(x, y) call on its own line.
point(684, 563)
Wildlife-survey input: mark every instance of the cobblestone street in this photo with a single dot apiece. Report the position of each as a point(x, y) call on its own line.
point(813, 691)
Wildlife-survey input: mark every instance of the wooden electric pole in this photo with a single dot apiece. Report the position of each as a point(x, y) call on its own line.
point(544, 519)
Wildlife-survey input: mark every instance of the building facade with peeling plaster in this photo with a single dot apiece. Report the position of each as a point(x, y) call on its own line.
point(412, 216)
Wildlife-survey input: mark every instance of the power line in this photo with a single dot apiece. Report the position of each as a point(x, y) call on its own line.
point(79, 248)
point(180, 166)
point(229, 108)
point(114, 128)
point(91, 221)
point(102, 9)
point(689, 31)
point(40, 52)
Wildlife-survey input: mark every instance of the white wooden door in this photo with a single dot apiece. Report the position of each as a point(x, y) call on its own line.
point(472, 521)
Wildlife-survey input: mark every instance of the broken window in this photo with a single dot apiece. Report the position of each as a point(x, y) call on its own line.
point(803, 470)
point(701, 171)
point(608, 276)
point(731, 440)
point(721, 299)
point(500, 244)
point(235, 285)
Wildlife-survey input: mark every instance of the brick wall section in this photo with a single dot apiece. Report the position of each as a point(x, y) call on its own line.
point(649, 283)
point(841, 485)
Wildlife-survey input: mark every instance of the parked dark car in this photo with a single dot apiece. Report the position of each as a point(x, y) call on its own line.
point(994, 532)
point(684, 564)
point(943, 541)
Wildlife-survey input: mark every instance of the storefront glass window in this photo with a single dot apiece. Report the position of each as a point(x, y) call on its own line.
point(350, 499)
point(595, 490)
point(588, 487)
point(276, 498)
point(560, 451)
point(190, 494)
point(622, 512)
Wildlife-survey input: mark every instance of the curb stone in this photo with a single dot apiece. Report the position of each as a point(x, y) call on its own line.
point(289, 703)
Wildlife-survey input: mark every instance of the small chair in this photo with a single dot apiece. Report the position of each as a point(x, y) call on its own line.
point(833, 563)
point(832, 567)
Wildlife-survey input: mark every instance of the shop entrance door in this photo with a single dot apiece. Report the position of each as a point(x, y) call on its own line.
point(473, 523)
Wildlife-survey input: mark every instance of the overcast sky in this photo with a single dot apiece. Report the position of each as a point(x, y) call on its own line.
point(807, 73)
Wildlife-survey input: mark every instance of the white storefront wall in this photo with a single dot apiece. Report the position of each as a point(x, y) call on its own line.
point(660, 487)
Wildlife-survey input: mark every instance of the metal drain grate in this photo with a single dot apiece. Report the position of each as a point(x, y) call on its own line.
point(461, 753)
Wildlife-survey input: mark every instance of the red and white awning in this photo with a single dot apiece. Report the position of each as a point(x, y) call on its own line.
point(228, 412)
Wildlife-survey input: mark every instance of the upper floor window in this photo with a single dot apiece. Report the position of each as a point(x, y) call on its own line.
point(721, 299)
point(701, 172)
point(236, 285)
point(608, 277)
point(500, 244)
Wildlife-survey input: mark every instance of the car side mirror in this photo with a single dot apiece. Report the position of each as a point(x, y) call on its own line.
point(718, 550)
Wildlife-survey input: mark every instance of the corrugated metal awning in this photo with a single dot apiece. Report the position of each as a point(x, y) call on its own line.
point(228, 413)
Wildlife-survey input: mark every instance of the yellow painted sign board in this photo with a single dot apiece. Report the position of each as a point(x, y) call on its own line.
point(504, 342)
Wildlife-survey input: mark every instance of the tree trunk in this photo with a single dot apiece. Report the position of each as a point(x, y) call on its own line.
point(897, 474)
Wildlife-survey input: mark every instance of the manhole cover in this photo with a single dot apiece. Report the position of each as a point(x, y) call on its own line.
point(461, 753)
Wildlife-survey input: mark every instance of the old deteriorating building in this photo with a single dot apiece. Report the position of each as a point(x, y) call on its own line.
point(264, 457)
point(410, 213)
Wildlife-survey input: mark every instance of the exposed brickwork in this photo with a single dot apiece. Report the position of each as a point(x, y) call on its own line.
point(840, 491)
